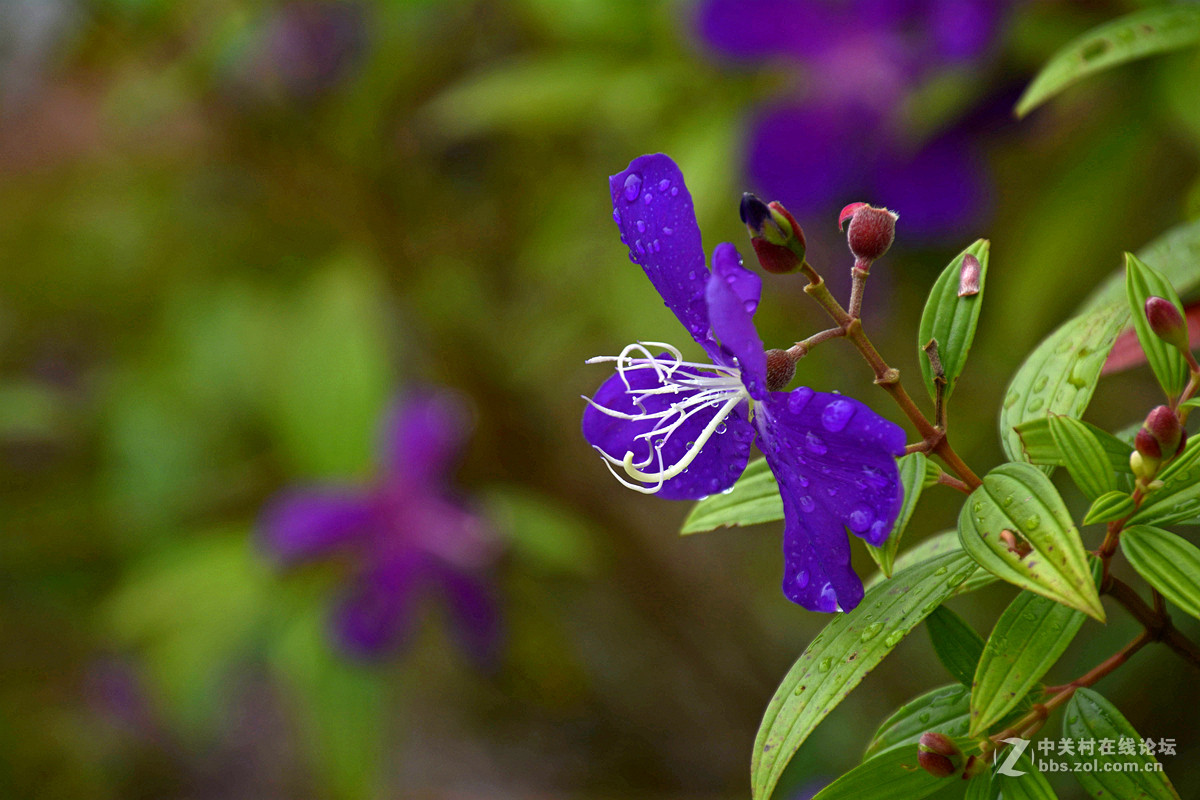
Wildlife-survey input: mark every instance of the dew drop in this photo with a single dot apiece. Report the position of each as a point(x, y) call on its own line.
point(633, 187)
point(807, 504)
point(667, 231)
point(641, 226)
point(941, 570)
point(692, 275)
point(1011, 399)
point(1040, 383)
point(813, 444)
point(719, 429)
point(802, 580)
point(1031, 524)
point(924, 717)
point(861, 517)
point(674, 191)
point(647, 198)
point(1034, 404)
point(825, 664)
point(803, 481)
point(798, 399)
point(664, 184)
point(616, 217)
point(835, 415)
point(892, 639)
point(871, 631)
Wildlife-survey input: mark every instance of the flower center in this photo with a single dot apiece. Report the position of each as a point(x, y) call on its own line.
point(700, 387)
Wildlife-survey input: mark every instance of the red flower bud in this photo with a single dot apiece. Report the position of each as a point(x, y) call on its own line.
point(871, 230)
point(1163, 425)
point(1167, 322)
point(777, 238)
point(938, 755)
point(968, 276)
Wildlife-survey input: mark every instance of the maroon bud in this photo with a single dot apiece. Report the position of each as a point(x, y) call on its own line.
point(1164, 426)
point(777, 238)
point(1146, 444)
point(1167, 323)
point(781, 368)
point(938, 755)
point(871, 230)
point(774, 257)
point(968, 276)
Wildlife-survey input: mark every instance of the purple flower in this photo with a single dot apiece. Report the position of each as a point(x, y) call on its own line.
point(402, 533)
point(683, 430)
point(845, 135)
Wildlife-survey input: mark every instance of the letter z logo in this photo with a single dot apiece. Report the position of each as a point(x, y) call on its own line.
point(1015, 752)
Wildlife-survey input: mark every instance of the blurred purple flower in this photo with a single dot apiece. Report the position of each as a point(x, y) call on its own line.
point(845, 135)
point(402, 532)
point(683, 430)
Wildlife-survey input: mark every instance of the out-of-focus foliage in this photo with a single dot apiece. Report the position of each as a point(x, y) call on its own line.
point(231, 232)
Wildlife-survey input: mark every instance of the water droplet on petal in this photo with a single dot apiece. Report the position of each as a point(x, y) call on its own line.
point(664, 184)
point(641, 225)
point(814, 444)
point(633, 187)
point(803, 481)
point(616, 217)
point(647, 198)
point(674, 191)
point(861, 517)
point(667, 231)
point(807, 504)
point(801, 579)
point(798, 399)
point(836, 415)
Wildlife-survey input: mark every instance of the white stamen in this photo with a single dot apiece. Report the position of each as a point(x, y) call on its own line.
point(715, 386)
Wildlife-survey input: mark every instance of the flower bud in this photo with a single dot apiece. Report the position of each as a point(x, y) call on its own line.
point(976, 765)
point(871, 230)
point(1167, 323)
point(781, 368)
point(1164, 429)
point(968, 276)
point(938, 755)
point(1018, 547)
point(777, 238)
point(1141, 466)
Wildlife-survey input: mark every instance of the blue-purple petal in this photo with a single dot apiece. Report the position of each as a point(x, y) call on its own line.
point(474, 614)
point(377, 613)
point(962, 29)
point(653, 209)
point(732, 295)
point(716, 468)
point(423, 434)
point(835, 461)
point(305, 523)
point(942, 188)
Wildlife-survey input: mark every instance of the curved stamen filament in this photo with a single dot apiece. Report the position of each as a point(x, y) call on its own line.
point(679, 466)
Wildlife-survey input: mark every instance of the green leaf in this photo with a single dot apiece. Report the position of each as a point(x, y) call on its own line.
point(1133, 36)
point(950, 320)
point(1028, 638)
point(753, 499)
point(994, 786)
point(1178, 499)
point(956, 643)
point(1193, 403)
point(1174, 254)
point(1108, 507)
point(849, 647)
point(1039, 446)
point(926, 549)
point(1168, 364)
point(892, 775)
point(1090, 716)
point(912, 468)
point(946, 709)
point(1168, 562)
point(1083, 456)
point(1060, 375)
point(1018, 498)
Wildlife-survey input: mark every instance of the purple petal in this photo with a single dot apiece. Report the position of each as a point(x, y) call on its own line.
point(653, 209)
point(721, 460)
point(764, 29)
point(378, 612)
point(940, 190)
point(475, 614)
point(423, 435)
point(962, 29)
point(732, 295)
point(301, 524)
point(835, 461)
point(811, 157)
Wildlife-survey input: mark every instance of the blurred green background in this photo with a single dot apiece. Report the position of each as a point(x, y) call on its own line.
point(216, 269)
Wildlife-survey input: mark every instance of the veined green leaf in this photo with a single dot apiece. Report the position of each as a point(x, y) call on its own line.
point(1168, 364)
point(891, 775)
point(912, 481)
point(950, 320)
point(1083, 456)
point(1108, 507)
point(1133, 36)
point(753, 499)
point(1090, 716)
point(956, 643)
point(1039, 445)
point(1193, 403)
point(994, 786)
point(1060, 375)
point(1028, 638)
point(1178, 499)
point(1168, 562)
point(936, 545)
point(845, 651)
point(1018, 498)
point(945, 710)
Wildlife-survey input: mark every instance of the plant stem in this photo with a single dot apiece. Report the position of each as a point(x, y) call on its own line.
point(1157, 625)
point(888, 379)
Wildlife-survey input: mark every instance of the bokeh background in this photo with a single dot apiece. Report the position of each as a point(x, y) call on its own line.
point(231, 232)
